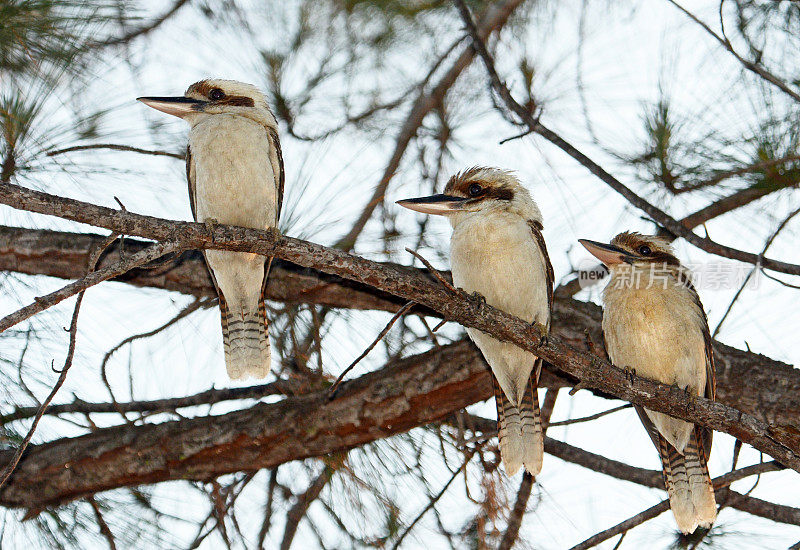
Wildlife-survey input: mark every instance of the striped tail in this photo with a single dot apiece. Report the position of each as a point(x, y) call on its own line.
point(691, 494)
point(519, 430)
point(245, 339)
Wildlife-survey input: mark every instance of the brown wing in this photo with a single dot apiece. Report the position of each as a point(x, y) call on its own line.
point(704, 435)
point(190, 180)
point(536, 229)
point(276, 158)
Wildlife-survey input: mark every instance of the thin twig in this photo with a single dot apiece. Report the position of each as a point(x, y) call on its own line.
point(298, 511)
point(105, 530)
point(182, 314)
point(751, 66)
point(592, 416)
point(755, 270)
point(435, 272)
point(116, 147)
point(400, 312)
point(207, 397)
point(145, 29)
point(720, 482)
point(468, 456)
point(517, 513)
point(266, 523)
point(624, 526)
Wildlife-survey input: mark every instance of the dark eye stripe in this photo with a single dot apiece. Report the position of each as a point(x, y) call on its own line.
point(237, 101)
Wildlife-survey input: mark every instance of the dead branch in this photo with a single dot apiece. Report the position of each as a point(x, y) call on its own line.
point(467, 457)
point(105, 530)
point(62, 377)
point(517, 513)
point(299, 509)
point(384, 332)
point(207, 397)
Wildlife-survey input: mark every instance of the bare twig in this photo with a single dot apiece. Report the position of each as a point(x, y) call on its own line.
point(624, 526)
point(753, 271)
point(105, 530)
point(591, 417)
point(207, 397)
point(299, 509)
point(357, 360)
point(182, 314)
point(145, 29)
point(266, 523)
point(435, 272)
point(467, 457)
point(116, 147)
point(720, 482)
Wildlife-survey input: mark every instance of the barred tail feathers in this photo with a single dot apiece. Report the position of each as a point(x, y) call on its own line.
point(519, 430)
point(245, 339)
point(688, 483)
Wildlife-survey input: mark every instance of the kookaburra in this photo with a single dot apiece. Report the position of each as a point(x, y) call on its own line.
point(497, 250)
point(654, 325)
point(235, 172)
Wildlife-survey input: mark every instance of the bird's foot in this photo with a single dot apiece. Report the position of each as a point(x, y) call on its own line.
point(630, 374)
point(542, 331)
point(210, 224)
point(478, 296)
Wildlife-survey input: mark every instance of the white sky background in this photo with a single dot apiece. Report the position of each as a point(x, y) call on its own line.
point(629, 50)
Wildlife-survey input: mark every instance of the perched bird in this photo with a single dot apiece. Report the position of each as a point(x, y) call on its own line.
point(654, 325)
point(235, 172)
point(497, 250)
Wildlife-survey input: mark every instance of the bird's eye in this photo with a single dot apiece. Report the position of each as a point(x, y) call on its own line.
point(216, 94)
point(474, 190)
point(644, 250)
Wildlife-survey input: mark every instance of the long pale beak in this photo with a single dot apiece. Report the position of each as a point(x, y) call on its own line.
point(435, 204)
point(606, 253)
point(175, 106)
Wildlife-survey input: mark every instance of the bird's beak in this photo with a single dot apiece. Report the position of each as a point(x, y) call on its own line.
point(176, 106)
point(435, 204)
point(607, 253)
